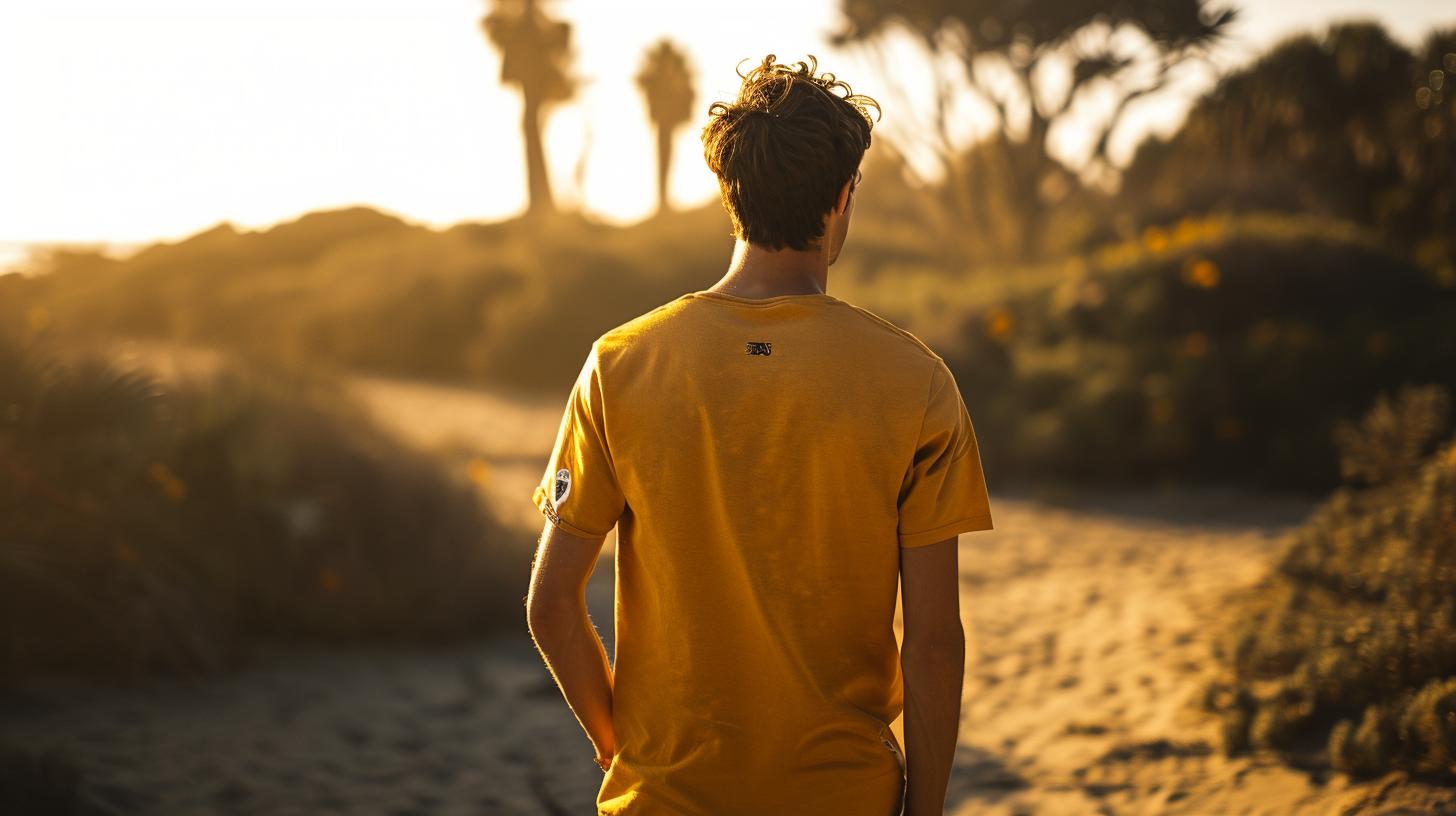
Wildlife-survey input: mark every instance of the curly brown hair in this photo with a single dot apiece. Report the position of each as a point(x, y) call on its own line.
point(783, 149)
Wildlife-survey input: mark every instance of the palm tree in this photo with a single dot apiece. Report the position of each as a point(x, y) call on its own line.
point(667, 83)
point(535, 51)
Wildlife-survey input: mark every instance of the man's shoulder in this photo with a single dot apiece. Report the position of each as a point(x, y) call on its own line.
point(890, 335)
point(642, 327)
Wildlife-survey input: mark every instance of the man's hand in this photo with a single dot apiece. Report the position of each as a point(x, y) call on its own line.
point(556, 614)
point(932, 659)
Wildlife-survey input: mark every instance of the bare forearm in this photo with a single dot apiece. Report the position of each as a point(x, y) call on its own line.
point(934, 674)
point(577, 658)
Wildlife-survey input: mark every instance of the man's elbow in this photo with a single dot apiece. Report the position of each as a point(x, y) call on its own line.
point(547, 614)
point(945, 644)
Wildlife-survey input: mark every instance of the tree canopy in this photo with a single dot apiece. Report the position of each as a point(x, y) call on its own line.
point(1031, 63)
point(1045, 45)
point(1350, 123)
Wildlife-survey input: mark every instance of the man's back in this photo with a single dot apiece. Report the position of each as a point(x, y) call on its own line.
point(765, 460)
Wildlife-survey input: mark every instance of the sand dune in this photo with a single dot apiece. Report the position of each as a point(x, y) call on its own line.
point(1089, 632)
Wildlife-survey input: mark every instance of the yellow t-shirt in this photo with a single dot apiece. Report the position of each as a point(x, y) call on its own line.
point(763, 461)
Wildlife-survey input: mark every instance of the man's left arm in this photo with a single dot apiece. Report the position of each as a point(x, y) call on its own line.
point(556, 614)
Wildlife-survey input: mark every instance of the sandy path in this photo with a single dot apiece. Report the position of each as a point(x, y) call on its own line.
point(1090, 649)
point(1088, 631)
point(471, 730)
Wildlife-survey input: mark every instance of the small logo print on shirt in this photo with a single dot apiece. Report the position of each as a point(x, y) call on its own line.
point(760, 348)
point(562, 488)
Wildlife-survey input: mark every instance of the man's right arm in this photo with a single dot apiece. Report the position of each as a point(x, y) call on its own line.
point(932, 659)
point(556, 615)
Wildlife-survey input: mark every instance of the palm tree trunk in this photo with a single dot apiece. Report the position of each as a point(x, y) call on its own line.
point(664, 163)
point(537, 183)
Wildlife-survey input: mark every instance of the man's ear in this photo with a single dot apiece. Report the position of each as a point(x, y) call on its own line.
point(842, 202)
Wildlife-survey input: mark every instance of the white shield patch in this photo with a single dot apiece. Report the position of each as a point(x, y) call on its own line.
point(562, 488)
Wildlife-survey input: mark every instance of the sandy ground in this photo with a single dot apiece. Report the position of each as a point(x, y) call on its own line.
point(1088, 627)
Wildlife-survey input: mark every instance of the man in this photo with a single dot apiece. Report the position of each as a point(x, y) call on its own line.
point(776, 463)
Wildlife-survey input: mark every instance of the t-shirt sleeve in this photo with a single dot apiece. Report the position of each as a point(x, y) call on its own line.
point(579, 491)
point(944, 492)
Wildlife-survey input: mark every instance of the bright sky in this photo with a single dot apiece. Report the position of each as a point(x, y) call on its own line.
point(134, 121)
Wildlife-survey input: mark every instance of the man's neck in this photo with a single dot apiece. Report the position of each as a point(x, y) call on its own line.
point(757, 273)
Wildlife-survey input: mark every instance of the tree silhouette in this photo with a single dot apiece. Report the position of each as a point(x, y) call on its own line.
point(1349, 124)
point(535, 50)
point(1032, 61)
point(666, 82)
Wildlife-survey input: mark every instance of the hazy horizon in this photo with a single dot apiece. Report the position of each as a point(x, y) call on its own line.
point(120, 147)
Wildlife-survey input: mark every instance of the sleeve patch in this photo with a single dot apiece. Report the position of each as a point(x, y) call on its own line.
point(561, 487)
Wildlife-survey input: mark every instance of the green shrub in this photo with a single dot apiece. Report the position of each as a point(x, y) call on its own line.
point(1229, 356)
point(1352, 638)
point(145, 525)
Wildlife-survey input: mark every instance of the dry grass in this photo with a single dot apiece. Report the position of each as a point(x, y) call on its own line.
point(157, 526)
point(517, 303)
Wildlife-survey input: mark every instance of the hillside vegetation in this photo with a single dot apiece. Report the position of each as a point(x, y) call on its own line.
point(516, 303)
point(151, 525)
point(1221, 347)
point(1348, 647)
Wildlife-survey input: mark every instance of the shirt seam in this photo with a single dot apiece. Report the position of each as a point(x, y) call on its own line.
point(601, 378)
point(552, 515)
point(983, 518)
point(896, 330)
point(930, 393)
point(915, 446)
point(767, 303)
